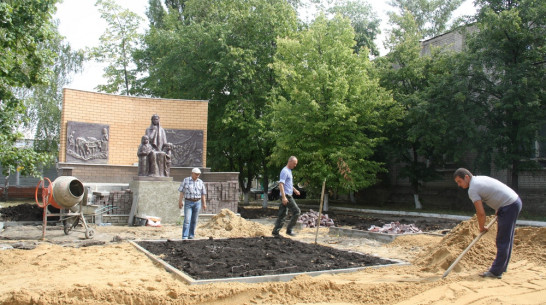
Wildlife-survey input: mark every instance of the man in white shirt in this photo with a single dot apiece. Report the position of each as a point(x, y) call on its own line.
point(507, 206)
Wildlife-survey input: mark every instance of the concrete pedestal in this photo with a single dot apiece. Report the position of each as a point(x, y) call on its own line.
point(155, 198)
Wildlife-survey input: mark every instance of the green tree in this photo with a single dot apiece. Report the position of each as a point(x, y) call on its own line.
point(221, 51)
point(506, 61)
point(117, 45)
point(44, 102)
point(434, 95)
point(431, 16)
point(403, 72)
point(364, 22)
point(24, 26)
point(327, 110)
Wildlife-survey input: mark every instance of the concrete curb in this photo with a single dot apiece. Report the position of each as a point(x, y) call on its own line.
point(435, 215)
point(381, 237)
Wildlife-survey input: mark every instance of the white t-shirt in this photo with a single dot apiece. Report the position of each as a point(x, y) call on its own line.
point(491, 191)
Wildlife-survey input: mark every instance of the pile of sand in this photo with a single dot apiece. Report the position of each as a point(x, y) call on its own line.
point(227, 224)
point(440, 256)
point(117, 273)
point(529, 245)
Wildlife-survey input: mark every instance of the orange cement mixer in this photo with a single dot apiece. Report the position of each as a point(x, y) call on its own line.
point(67, 194)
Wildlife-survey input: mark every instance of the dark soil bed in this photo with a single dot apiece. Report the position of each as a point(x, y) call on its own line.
point(244, 257)
point(22, 212)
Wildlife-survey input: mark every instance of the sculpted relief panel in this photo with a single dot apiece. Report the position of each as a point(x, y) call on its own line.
point(187, 147)
point(87, 142)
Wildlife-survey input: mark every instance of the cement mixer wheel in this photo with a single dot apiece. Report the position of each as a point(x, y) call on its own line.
point(47, 192)
point(70, 223)
point(89, 233)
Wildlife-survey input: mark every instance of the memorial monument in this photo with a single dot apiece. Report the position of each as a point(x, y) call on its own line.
point(154, 152)
point(153, 188)
point(109, 143)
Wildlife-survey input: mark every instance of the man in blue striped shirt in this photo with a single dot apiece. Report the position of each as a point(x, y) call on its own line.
point(286, 189)
point(193, 193)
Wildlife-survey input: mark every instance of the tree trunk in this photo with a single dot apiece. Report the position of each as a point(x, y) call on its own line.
point(245, 187)
point(415, 181)
point(245, 197)
point(265, 201)
point(352, 196)
point(418, 205)
point(265, 182)
point(325, 204)
point(266, 190)
point(515, 176)
point(6, 188)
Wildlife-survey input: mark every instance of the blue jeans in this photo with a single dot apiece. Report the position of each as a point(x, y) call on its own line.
point(191, 215)
point(506, 226)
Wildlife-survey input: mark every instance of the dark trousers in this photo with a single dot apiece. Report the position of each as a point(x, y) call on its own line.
point(283, 212)
point(506, 226)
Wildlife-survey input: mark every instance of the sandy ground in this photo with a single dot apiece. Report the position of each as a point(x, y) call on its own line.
point(72, 270)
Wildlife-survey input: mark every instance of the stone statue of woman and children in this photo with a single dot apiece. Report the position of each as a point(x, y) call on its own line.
point(154, 152)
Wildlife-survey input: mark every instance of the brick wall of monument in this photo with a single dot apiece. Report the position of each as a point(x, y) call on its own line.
point(127, 118)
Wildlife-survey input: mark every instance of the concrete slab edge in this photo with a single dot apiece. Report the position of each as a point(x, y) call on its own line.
point(382, 237)
point(180, 275)
point(435, 215)
point(404, 213)
point(253, 279)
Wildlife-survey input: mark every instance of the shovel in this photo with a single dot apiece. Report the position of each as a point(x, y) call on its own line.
point(468, 248)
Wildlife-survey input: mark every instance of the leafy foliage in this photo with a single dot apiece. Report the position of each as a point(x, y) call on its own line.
point(43, 102)
point(327, 110)
point(220, 51)
point(506, 60)
point(440, 121)
point(24, 27)
point(117, 45)
point(364, 22)
point(431, 16)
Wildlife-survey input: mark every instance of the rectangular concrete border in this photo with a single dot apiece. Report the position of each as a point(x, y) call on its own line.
point(252, 279)
point(382, 237)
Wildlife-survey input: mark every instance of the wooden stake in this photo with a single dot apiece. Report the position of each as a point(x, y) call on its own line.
point(320, 209)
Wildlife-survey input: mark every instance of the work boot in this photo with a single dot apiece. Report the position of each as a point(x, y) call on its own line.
point(276, 234)
point(291, 233)
point(489, 274)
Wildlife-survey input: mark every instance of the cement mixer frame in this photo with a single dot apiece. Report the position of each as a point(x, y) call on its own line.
point(74, 195)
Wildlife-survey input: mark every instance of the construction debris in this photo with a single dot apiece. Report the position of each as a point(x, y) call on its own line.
point(395, 228)
point(309, 220)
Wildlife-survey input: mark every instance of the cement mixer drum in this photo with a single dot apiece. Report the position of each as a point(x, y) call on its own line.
point(67, 191)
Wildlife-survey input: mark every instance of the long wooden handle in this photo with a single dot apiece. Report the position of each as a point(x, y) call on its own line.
point(468, 248)
point(320, 209)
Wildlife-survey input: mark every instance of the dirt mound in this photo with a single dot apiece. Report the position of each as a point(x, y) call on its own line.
point(22, 212)
point(441, 256)
point(529, 245)
point(413, 240)
point(228, 224)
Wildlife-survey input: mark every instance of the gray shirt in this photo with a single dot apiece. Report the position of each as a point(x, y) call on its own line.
point(491, 191)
